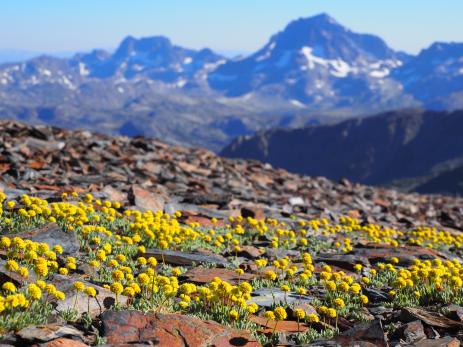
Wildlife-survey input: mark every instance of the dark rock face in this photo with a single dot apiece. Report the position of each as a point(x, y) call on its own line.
point(411, 149)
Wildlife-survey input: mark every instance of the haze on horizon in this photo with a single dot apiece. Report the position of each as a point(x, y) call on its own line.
point(238, 26)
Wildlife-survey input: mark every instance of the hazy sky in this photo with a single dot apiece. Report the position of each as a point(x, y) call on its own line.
point(245, 25)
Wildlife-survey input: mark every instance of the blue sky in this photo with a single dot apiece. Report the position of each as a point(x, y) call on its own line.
point(242, 25)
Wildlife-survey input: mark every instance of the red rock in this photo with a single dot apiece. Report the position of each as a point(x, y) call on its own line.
point(442, 342)
point(253, 212)
point(64, 342)
point(144, 199)
point(250, 252)
point(114, 194)
point(285, 326)
point(171, 330)
point(203, 275)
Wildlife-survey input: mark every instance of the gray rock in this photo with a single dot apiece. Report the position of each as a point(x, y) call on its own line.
point(52, 235)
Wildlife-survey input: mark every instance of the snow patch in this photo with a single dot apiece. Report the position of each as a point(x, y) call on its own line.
point(297, 103)
point(45, 72)
point(380, 73)
point(267, 53)
point(181, 83)
point(68, 83)
point(338, 67)
point(83, 71)
point(120, 90)
point(187, 60)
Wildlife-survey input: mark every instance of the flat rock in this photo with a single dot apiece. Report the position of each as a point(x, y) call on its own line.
point(371, 332)
point(44, 333)
point(434, 319)
point(171, 330)
point(64, 342)
point(442, 342)
point(205, 275)
point(52, 235)
point(145, 200)
point(105, 298)
point(267, 297)
point(183, 258)
point(286, 326)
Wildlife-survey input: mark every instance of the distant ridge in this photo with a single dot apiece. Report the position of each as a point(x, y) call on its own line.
point(413, 149)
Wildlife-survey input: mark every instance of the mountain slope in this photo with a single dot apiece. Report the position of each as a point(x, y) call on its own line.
point(408, 147)
point(317, 60)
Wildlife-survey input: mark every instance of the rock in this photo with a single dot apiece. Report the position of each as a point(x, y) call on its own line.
point(114, 194)
point(44, 333)
point(268, 297)
point(371, 332)
point(375, 295)
point(343, 261)
point(206, 275)
point(122, 327)
point(105, 299)
point(8, 276)
point(250, 252)
point(376, 253)
point(276, 253)
point(286, 326)
point(455, 312)
point(431, 318)
point(442, 342)
point(64, 342)
point(144, 199)
point(185, 259)
point(52, 235)
point(253, 212)
point(413, 332)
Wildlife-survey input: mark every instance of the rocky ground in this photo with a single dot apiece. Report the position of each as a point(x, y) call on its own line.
point(223, 253)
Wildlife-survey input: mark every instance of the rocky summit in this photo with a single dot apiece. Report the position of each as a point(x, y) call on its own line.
point(128, 241)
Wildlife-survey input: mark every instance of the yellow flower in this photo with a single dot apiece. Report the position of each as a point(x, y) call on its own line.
point(116, 288)
point(313, 318)
point(280, 313)
point(90, 291)
point(363, 299)
point(233, 314)
point(34, 291)
point(79, 286)
point(9, 287)
point(299, 313)
point(239, 271)
point(129, 291)
point(332, 313)
point(270, 315)
point(338, 302)
point(271, 275)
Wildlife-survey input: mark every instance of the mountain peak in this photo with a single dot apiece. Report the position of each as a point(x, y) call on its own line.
point(321, 18)
point(145, 44)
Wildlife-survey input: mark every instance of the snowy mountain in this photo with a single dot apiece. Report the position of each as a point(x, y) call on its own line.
point(315, 70)
point(317, 61)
